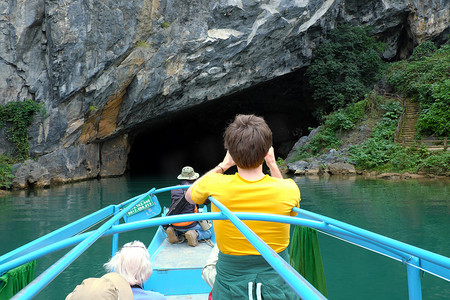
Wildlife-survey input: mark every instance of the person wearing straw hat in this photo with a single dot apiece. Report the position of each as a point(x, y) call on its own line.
point(191, 231)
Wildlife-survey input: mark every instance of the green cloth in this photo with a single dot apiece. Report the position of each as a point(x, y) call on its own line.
point(16, 279)
point(306, 258)
point(234, 272)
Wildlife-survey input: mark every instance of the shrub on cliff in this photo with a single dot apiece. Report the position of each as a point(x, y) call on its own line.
point(5, 172)
point(334, 126)
point(378, 150)
point(380, 153)
point(436, 164)
point(345, 67)
point(16, 117)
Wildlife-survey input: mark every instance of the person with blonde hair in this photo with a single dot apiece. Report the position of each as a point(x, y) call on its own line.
point(133, 263)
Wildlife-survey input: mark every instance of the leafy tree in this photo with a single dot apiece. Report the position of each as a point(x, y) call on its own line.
point(345, 67)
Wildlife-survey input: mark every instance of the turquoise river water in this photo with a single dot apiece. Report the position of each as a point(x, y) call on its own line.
point(414, 212)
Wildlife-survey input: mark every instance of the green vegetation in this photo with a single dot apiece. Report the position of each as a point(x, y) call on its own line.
point(378, 152)
point(384, 155)
point(345, 67)
point(436, 164)
point(165, 24)
point(5, 171)
point(19, 116)
point(335, 125)
point(343, 72)
point(379, 149)
point(425, 77)
point(142, 43)
point(16, 117)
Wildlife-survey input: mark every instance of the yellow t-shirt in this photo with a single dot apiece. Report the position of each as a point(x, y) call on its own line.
point(267, 195)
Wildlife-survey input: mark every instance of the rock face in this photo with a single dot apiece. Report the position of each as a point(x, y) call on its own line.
point(303, 141)
point(105, 68)
point(63, 165)
point(332, 163)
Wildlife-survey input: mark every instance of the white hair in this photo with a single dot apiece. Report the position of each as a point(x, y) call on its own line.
point(132, 262)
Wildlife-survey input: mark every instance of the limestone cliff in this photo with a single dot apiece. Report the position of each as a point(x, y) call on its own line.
point(104, 68)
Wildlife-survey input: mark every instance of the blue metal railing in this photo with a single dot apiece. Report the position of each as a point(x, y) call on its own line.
point(415, 258)
point(299, 284)
point(430, 262)
point(52, 272)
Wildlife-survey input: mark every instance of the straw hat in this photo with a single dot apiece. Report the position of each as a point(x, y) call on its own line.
point(110, 286)
point(188, 173)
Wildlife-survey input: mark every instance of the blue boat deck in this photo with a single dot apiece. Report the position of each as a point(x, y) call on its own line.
point(177, 269)
point(180, 256)
point(191, 296)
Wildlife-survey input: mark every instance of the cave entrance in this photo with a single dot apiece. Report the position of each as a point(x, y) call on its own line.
point(194, 136)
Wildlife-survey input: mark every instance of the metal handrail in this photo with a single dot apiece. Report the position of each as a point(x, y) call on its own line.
point(437, 259)
point(299, 284)
point(52, 272)
point(196, 217)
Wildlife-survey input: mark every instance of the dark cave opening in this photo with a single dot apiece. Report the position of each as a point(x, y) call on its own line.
point(194, 136)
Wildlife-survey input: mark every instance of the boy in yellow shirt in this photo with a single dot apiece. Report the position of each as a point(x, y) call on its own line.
point(241, 270)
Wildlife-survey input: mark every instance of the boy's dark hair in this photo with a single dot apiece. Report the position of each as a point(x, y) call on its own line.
point(248, 139)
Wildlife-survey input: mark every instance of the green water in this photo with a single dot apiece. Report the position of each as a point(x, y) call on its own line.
point(410, 211)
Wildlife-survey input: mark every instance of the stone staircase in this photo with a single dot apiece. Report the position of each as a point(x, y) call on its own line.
point(406, 130)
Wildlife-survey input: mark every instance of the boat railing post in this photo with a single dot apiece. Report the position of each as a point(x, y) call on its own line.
point(414, 284)
point(115, 237)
